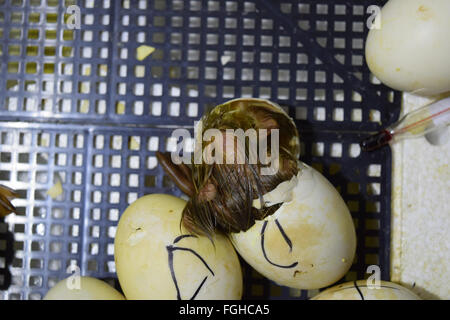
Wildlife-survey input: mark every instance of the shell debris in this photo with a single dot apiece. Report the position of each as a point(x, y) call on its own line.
point(144, 51)
point(56, 190)
point(225, 59)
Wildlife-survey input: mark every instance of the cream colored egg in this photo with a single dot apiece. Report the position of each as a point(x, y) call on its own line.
point(411, 49)
point(157, 260)
point(361, 290)
point(309, 242)
point(83, 288)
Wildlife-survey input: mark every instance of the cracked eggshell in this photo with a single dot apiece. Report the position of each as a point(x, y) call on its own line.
point(411, 49)
point(309, 242)
point(359, 290)
point(156, 260)
point(89, 289)
point(199, 124)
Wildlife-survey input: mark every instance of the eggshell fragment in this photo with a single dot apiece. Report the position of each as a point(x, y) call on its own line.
point(225, 59)
point(56, 190)
point(143, 52)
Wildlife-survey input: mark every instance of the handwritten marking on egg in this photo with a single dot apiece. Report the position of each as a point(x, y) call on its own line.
point(360, 290)
point(312, 242)
point(155, 259)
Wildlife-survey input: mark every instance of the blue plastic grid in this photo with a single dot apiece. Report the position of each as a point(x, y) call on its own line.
point(305, 55)
point(102, 172)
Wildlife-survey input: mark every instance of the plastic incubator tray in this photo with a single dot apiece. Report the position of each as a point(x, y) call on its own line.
point(78, 107)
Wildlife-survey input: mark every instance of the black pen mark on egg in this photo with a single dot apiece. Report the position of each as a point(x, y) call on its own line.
point(182, 237)
point(359, 286)
point(170, 250)
point(285, 237)
point(359, 291)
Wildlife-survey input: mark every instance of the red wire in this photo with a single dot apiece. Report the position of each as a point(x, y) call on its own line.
point(423, 120)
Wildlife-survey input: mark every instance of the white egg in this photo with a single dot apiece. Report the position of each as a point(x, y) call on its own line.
point(156, 259)
point(309, 242)
point(83, 288)
point(360, 290)
point(411, 50)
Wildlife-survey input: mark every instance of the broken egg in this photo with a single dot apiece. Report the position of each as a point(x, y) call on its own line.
point(289, 223)
point(362, 290)
point(309, 242)
point(157, 260)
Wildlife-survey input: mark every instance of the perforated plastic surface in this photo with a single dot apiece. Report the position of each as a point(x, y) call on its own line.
point(77, 106)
